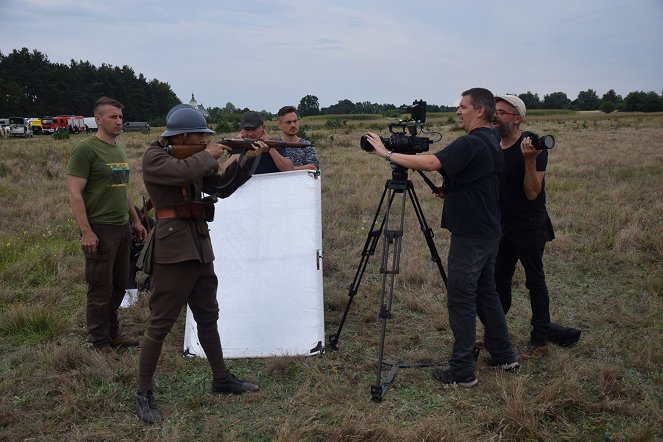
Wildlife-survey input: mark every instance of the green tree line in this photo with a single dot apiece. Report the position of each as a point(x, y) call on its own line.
point(32, 86)
point(227, 117)
point(587, 100)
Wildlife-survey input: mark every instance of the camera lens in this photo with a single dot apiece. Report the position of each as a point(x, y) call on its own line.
point(364, 144)
point(547, 142)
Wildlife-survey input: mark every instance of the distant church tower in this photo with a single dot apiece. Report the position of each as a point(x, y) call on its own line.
point(199, 107)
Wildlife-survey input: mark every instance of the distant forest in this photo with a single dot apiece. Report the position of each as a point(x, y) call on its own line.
point(32, 86)
point(586, 101)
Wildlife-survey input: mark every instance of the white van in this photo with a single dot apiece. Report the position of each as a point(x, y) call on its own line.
point(90, 124)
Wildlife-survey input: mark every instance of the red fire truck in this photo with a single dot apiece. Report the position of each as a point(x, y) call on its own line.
point(73, 123)
point(47, 125)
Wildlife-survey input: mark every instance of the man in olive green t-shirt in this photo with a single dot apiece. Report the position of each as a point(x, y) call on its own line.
point(97, 184)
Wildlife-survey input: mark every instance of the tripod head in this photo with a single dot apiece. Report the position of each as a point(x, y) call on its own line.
point(399, 178)
point(398, 173)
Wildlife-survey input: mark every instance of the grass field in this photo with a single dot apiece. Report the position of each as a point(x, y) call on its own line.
point(605, 276)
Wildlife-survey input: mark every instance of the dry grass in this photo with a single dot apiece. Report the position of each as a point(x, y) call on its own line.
point(605, 273)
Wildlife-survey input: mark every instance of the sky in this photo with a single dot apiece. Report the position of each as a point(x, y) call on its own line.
point(264, 54)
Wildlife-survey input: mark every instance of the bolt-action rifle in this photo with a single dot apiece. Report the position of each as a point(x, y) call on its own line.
point(234, 145)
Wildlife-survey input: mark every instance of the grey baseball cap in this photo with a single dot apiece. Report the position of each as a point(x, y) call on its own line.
point(517, 103)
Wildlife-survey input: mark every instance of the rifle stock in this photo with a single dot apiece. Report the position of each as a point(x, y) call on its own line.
point(235, 145)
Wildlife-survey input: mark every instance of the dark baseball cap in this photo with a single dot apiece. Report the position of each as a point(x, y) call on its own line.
point(250, 120)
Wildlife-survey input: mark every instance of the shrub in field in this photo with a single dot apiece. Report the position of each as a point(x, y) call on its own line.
point(61, 134)
point(306, 133)
point(334, 124)
point(226, 127)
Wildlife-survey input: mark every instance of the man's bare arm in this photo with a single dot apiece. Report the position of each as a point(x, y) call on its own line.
point(75, 187)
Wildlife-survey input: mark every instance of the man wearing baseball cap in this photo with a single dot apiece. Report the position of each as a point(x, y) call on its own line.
point(526, 226)
point(276, 160)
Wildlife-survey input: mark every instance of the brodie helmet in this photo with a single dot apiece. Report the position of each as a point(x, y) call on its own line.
point(185, 119)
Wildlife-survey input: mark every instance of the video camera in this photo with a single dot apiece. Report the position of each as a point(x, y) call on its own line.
point(400, 141)
point(540, 142)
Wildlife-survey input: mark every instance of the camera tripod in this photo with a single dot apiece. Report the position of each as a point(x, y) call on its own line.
point(389, 265)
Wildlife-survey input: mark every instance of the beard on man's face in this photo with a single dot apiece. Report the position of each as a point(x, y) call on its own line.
point(504, 129)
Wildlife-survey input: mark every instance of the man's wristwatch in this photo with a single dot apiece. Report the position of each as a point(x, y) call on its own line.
point(388, 156)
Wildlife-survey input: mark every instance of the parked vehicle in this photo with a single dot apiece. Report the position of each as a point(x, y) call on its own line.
point(50, 124)
point(35, 124)
point(76, 123)
point(5, 131)
point(73, 123)
point(90, 124)
point(19, 128)
point(136, 126)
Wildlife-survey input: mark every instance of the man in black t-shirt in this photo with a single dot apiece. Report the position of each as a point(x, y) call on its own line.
point(470, 165)
point(525, 223)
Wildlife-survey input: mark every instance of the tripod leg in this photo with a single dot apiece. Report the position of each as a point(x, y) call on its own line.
point(427, 231)
point(389, 268)
point(368, 251)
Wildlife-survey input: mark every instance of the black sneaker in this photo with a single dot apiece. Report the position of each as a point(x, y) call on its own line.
point(509, 367)
point(232, 385)
point(146, 407)
point(448, 378)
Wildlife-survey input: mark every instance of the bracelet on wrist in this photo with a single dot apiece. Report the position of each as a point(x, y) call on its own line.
point(388, 155)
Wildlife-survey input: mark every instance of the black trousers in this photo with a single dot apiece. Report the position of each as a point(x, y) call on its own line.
point(471, 292)
point(526, 247)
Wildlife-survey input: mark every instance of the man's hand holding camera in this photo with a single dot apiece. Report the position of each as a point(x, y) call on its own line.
point(378, 146)
point(533, 178)
point(529, 151)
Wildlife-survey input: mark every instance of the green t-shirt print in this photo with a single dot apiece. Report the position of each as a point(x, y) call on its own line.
point(119, 174)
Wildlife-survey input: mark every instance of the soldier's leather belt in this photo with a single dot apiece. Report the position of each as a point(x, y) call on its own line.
point(166, 214)
point(198, 210)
